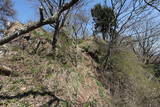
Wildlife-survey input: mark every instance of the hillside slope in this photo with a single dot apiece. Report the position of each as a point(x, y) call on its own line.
point(32, 76)
point(131, 83)
point(36, 78)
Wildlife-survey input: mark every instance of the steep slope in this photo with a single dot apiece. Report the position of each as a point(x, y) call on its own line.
point(67, 79)
point(32, 75)
point(130, 83)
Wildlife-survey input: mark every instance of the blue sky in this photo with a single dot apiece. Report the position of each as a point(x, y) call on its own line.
point(26, 11)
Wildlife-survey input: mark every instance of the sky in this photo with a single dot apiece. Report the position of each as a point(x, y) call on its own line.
point(26, 11)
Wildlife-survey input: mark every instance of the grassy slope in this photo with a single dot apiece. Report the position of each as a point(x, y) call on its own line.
point(131, 82)
point(40, 77)
point(70, 79)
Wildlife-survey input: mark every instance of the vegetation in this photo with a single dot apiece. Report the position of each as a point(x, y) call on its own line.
point(62, 65)
point(105, 19)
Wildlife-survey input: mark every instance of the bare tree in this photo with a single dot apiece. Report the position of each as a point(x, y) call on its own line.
point(153, 3)
point(127, 14)
point(43, 21)
point(50, 6)
point(79, 20)
point(6, 11)
point(147, 46)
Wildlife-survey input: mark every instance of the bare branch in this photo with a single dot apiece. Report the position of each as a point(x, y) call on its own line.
point(150, 4)
point(38, 24)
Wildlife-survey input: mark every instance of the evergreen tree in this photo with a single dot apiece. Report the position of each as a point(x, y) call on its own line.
point(104, 18)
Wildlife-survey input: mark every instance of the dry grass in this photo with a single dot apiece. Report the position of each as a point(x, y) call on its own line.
point(74, 85)
point(129, 84)
point(69, 79)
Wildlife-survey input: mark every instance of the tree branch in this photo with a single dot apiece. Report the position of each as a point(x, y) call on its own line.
point(148, 3)
point(38, 24)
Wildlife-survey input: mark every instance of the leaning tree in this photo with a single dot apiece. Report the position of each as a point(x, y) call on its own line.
point(43, 21)
point(49, 7)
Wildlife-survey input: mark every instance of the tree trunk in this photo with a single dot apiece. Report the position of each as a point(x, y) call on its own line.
point(28, 28)
point(54, 40)
point(103, 36)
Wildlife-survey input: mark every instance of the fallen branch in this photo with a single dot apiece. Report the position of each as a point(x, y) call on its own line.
point(38, 24)
point(6, 71)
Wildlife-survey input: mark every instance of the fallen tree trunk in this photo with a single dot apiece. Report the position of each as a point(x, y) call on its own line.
point(38, 24)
